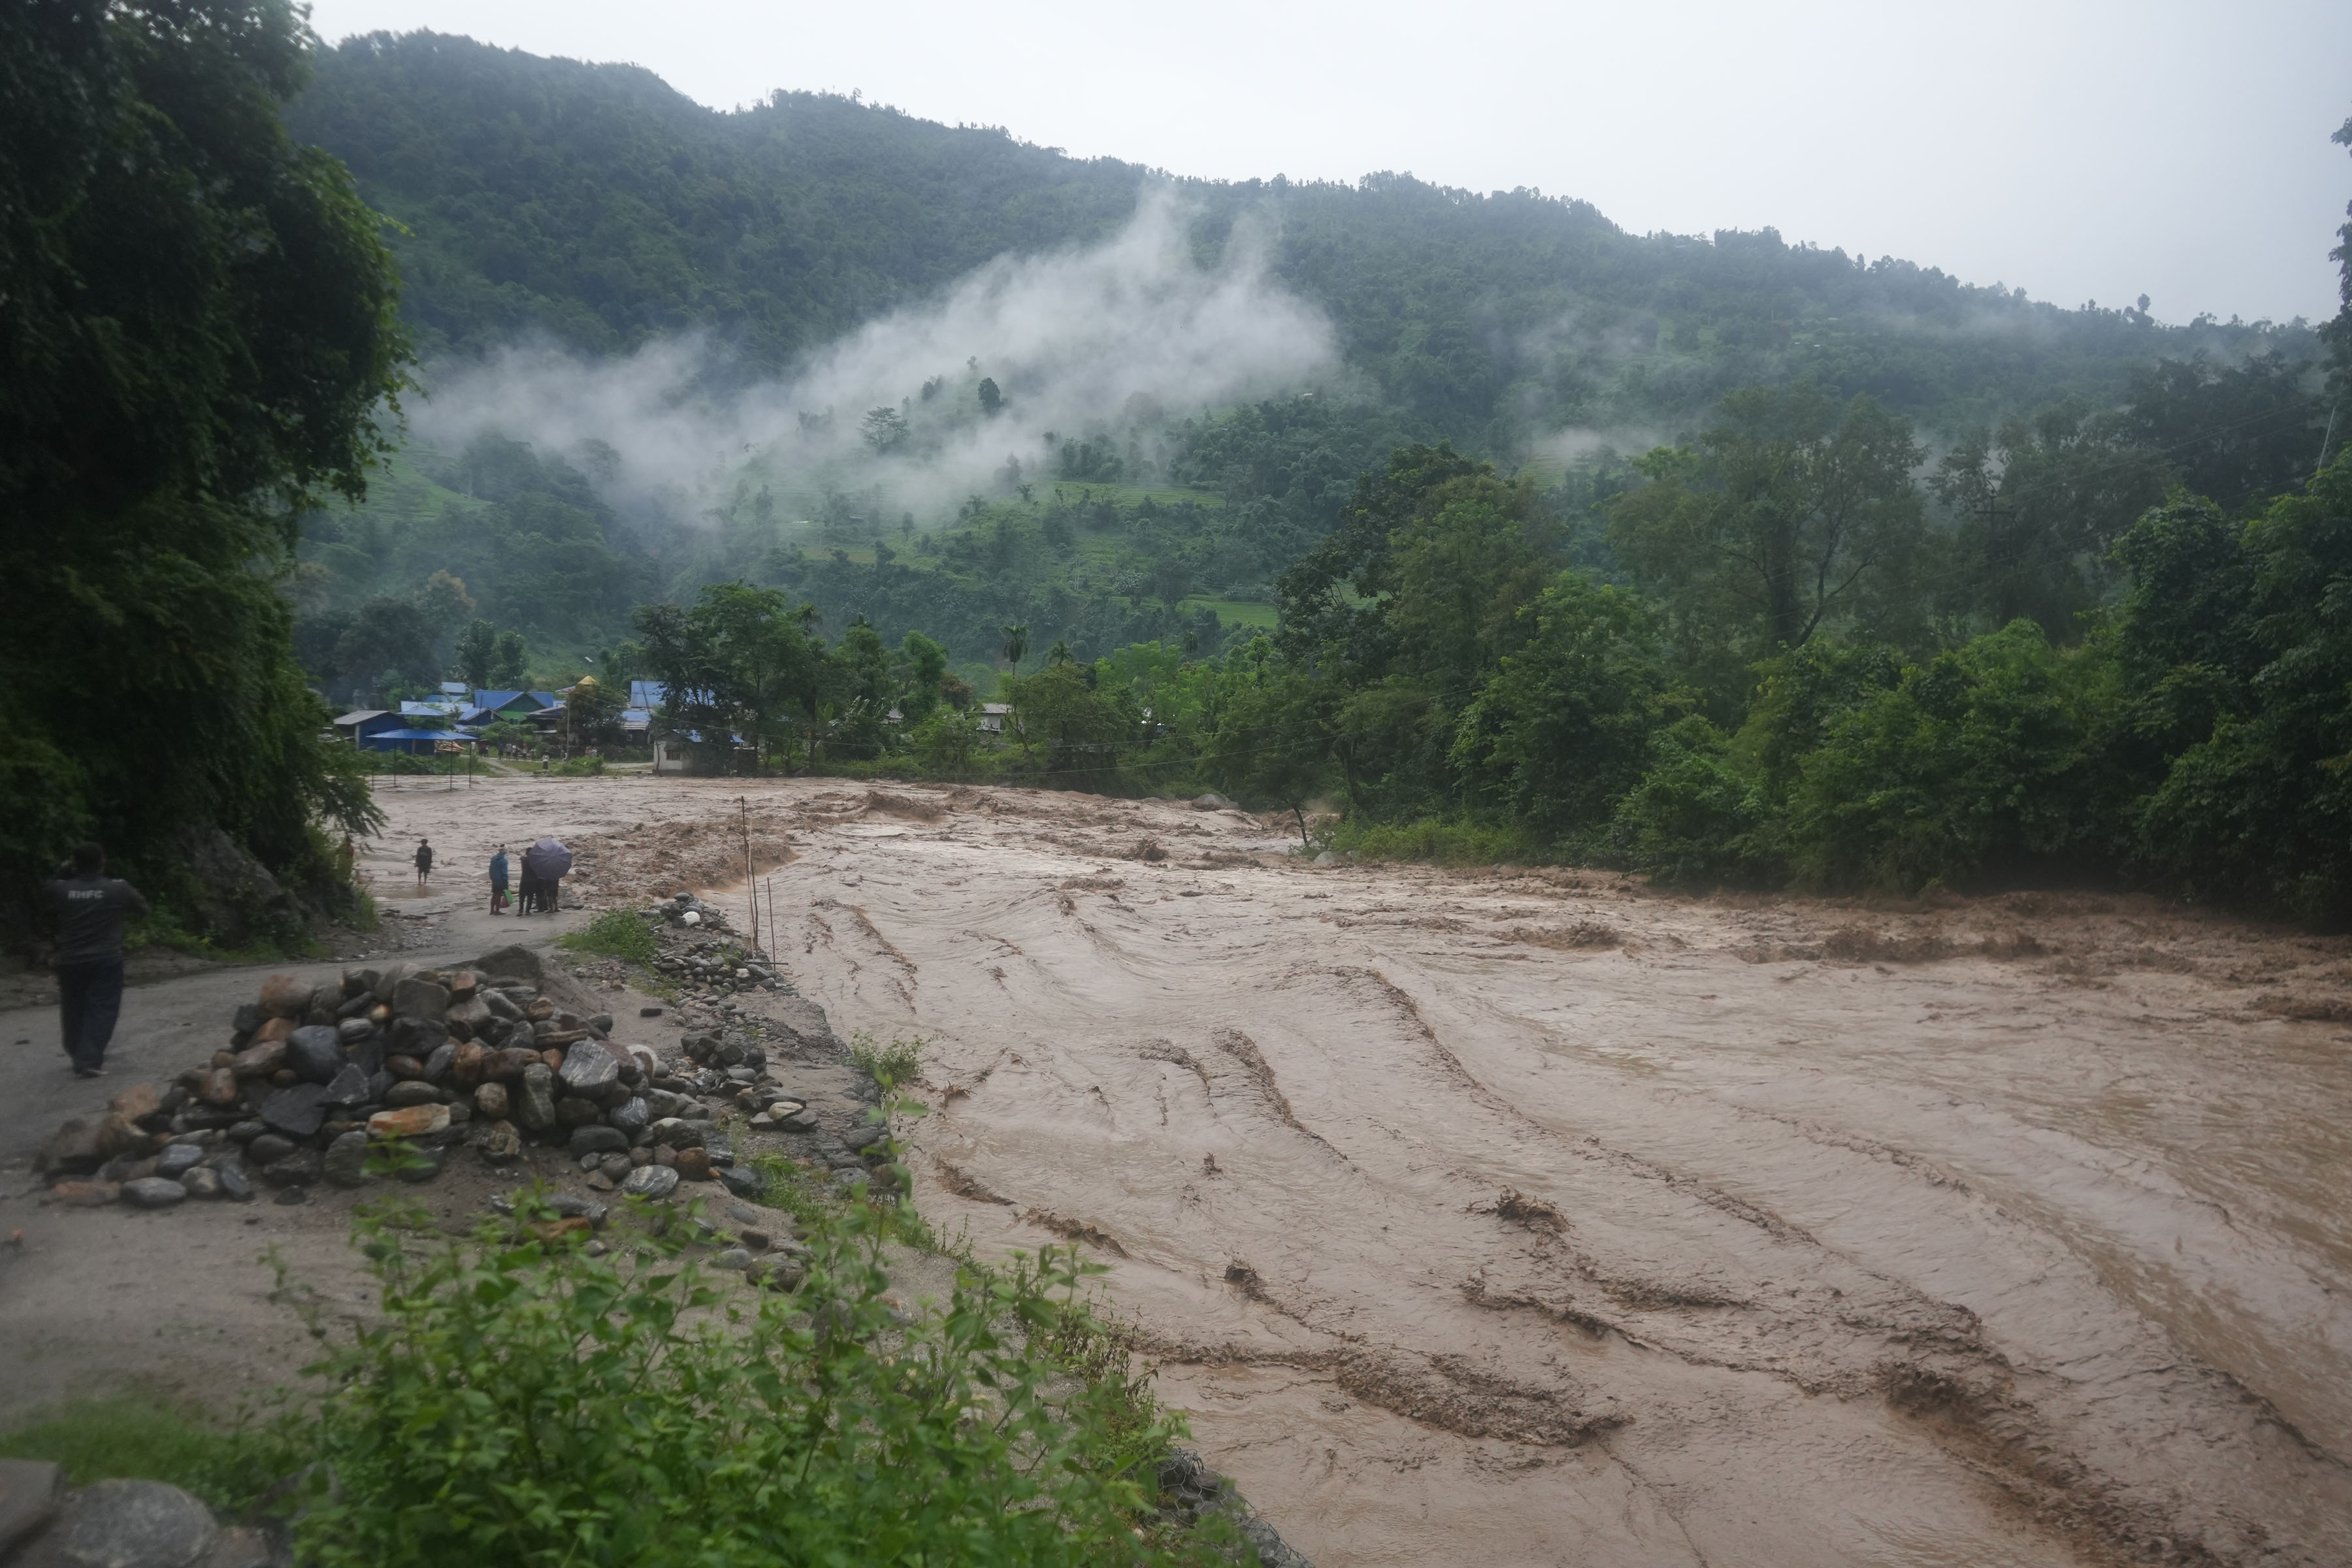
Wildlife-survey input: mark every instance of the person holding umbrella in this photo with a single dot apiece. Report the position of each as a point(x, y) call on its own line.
point(544, 865)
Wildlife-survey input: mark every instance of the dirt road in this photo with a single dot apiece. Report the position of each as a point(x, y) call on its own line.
point(1537, 1219)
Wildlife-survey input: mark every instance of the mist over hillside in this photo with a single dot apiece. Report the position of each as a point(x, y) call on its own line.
point(754, 342)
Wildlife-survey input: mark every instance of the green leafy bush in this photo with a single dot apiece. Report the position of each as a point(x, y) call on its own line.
point(889, 1065)
point(1699, 816)
point(623, 933)
point(521, 1403)
point(1985, 755)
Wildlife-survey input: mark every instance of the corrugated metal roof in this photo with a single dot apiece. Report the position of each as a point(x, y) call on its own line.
point(359, 715)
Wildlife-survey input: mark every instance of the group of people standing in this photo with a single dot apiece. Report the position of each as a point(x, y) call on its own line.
point(544, 866)
point(538, 893)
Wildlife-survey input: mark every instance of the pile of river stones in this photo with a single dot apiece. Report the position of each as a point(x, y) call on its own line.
point(317, 1084)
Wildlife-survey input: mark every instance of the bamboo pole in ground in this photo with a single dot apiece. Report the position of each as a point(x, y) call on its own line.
point(751, 883)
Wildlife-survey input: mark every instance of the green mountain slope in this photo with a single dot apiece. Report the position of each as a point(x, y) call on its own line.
point(595, 208)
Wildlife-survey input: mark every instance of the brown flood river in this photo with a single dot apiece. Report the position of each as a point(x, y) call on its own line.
point(1540, 1219)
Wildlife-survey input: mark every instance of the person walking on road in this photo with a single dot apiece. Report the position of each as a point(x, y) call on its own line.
point(90, 907)
point(423, 863)
point(498, 881)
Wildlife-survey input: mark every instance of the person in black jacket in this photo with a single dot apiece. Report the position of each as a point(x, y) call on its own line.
point(90, 907)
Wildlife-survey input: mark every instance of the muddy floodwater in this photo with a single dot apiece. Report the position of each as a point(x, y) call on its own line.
point(1538, 1218)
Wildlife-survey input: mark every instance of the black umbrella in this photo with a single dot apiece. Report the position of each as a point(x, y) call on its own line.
point(547, 861)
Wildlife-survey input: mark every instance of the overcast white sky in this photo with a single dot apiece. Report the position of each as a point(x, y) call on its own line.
point(2079, 149)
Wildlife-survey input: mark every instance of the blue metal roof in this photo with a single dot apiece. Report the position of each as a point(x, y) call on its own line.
point(647, 693)
point(418, 735)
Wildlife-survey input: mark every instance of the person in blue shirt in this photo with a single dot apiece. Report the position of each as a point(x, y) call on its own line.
point(498, 881)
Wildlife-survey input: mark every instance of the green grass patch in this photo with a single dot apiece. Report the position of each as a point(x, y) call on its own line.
point(128, 1436)
point(889, 1065)
point(623, 934)
point(1437, 841)
point(1235, 612)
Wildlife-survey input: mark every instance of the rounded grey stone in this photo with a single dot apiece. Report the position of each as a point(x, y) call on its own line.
point(129, 1524)
point(177, 1160)
point(595, 1139)
point(588, 1067)
point(650, 1182)
point(346, 1162)
point(154, 1192)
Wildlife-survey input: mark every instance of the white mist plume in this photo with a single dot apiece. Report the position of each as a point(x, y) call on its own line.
point(1074, 340)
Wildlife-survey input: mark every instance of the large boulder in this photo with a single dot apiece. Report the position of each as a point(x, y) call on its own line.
point(315, 1053)
point(72, 1149)
point(126, 1524)
point(549, 981)
point(297, 1112)
point(654, 1182)
point(136, 1103)
point(299, 1169)
point(284, 997)
point(259, 1060)
point(30, 1492)
point(509, 1063)
point(418, 997)
point(535, 1107)
point(350, 1087)
point(116, 1136)
point(346, 1161)
point(589, 1069)
point(154, 1192)
point(236, 902)
point(409, 1121)
point(598, 1141)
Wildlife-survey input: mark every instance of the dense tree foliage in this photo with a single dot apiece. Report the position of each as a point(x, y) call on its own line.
point(198, 325)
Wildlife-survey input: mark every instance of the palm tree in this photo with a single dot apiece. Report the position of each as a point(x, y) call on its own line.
point(1016, 645)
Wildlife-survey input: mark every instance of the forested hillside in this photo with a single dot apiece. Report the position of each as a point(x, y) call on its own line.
point(592, 206)
point(595, 204)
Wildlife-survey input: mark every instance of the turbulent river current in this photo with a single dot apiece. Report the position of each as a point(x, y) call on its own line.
point(1533, 1217)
